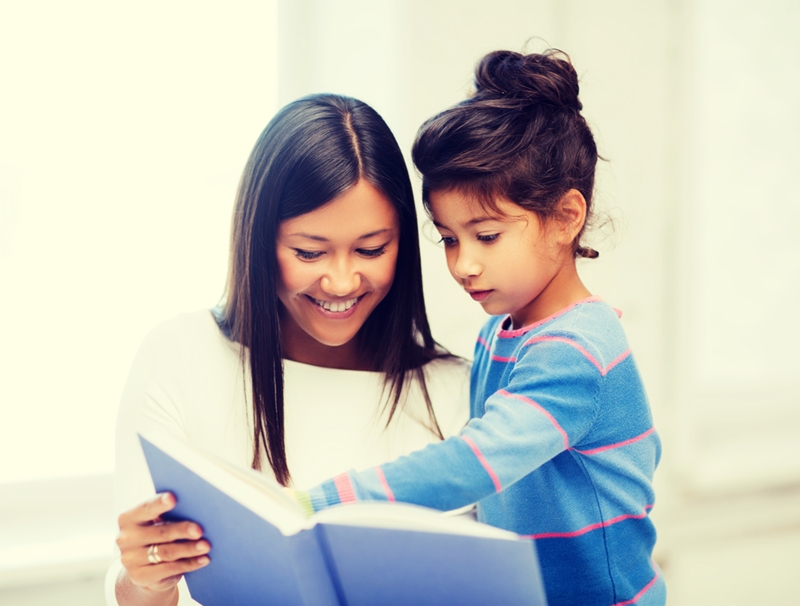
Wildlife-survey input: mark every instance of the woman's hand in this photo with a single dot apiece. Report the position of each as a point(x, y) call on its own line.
point(155, 553)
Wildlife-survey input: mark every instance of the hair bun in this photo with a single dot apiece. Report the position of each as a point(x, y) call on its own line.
point(547, 78)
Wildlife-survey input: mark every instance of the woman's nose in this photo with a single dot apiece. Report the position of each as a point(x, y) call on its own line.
point(341, 279)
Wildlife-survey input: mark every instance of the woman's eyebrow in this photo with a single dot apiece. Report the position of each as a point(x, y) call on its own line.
point(317, 238)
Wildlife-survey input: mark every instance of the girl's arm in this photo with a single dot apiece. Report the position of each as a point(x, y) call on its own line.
point(549, 403)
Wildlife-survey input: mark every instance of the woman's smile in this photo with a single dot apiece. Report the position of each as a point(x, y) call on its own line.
point(337, 310)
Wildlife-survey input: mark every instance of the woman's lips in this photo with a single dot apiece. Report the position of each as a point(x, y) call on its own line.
point(333, 307)
point(479, 295)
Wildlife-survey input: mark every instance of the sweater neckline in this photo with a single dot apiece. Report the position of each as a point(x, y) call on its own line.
point(518, 332)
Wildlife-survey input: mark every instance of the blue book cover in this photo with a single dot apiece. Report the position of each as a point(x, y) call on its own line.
point(264, 550)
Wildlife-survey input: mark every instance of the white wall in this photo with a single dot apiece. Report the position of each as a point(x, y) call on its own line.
point(123, 132)
point(124, 128)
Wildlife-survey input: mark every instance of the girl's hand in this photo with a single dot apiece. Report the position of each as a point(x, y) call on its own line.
point(155, 553)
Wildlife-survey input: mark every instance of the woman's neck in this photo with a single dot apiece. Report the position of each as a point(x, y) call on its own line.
point(299, 346)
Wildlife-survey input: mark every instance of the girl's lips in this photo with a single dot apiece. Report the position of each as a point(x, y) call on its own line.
point(479, 295)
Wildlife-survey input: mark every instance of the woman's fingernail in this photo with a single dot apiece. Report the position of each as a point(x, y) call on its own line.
point(195, 532)
point(202, 546)
point(203, 560)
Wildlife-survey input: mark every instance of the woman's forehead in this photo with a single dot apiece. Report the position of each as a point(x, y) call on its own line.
point(362, 212)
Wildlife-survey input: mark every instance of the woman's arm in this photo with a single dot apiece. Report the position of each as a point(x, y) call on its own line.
point(153, 398)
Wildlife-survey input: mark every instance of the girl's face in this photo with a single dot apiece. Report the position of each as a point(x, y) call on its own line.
point(336, 264)
point(510, 262)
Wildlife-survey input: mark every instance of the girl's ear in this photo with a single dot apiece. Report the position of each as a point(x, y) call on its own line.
point(571, 216)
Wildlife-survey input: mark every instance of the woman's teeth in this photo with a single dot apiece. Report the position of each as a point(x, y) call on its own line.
point(336, 306)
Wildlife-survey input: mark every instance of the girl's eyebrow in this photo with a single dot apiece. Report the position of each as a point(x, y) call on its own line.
point(316, 238)
point(473, 221)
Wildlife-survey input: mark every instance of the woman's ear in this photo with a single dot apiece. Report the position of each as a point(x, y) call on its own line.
point(571, 216)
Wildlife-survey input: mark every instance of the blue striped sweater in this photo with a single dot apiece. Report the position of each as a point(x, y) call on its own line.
point(561, 448)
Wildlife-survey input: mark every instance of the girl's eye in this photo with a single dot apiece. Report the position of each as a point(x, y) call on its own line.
point(447, 240)
point(488, 237)
point(307, 255)
point(372, 252)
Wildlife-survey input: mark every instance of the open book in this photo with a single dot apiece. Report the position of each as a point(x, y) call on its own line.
point(264, 550)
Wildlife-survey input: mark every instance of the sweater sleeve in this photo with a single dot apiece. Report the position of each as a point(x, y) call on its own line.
point(548, 403)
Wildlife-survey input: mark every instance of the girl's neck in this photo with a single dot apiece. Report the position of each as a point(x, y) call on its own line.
point(565, 289)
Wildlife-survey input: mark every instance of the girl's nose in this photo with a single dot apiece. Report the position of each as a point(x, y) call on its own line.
point(341, 279)
point(466, 265)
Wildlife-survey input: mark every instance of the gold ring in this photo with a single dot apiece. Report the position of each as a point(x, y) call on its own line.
point(152, 555)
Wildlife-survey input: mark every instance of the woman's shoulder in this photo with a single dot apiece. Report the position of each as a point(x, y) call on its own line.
point(187, 332)
point(447, 382)
point(447, 366)
point(187, 344)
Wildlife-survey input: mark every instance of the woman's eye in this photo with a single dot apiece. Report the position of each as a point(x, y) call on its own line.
point(307, 255)
point(488, 237)
point(447, 240)
point(372, 252)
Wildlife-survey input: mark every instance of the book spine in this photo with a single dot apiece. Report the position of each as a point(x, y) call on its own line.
point(330, 564)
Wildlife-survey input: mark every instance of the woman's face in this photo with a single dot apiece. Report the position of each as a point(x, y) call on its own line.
point(336, 264)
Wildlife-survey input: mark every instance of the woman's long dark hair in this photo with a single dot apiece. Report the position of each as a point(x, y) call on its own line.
point(312, 151)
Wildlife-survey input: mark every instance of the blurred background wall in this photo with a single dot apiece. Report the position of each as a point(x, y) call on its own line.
point(124, 128)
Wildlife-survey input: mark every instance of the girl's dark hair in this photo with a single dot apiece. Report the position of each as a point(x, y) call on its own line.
point(520, 136)
point(312, 151)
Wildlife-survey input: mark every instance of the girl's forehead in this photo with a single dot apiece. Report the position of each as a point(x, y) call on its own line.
point(456, 208)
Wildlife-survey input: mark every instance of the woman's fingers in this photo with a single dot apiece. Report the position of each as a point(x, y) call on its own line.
point(171, 552)
point(156, 553)
point(164, 575)
point(149, 511)
point(163, 532)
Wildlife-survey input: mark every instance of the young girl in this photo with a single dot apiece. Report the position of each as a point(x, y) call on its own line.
point(561, 445)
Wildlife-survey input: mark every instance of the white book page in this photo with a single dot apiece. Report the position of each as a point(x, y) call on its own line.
point(404, 516)
point(259, 493)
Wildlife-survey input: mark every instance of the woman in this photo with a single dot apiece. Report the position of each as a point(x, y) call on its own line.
point(321, 356)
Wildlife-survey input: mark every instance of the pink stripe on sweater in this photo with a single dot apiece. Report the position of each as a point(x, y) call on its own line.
point(590, 527)
point(385, 484)
point(570, 342)
point(538, 407)
point(580, 348)
point(617, 360)
point(521, 331)
point(643, 591)
point(617, 445)
point(344, 488)
point(484, 462)
point(486, 346)
point(502, 359)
